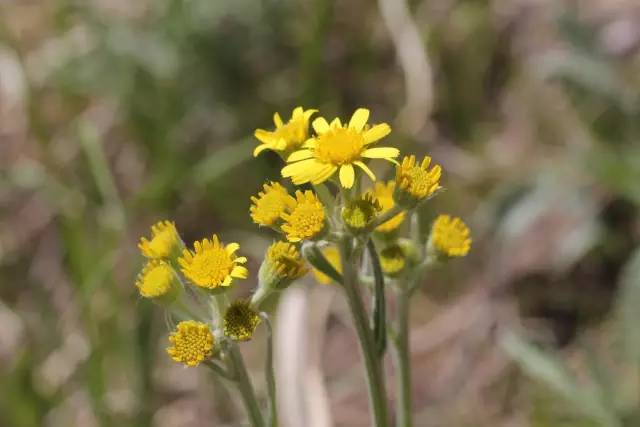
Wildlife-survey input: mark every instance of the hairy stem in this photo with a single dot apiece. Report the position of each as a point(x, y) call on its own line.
point(245, 387)
point(373, 366)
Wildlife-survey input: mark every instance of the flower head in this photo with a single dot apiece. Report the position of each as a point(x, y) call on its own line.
point(384, 194)
point(191, 343)
point(240, 321)
point(450, 236)
point(307, 218)
point(287, 136)
point(359, 212)
point(415, 183)
point(267, 207)
point(165, 241)
point(211, 264)
point(338, 146)
point(158, 280)
point(282, 265)
point(393, 259)
point(332, 255)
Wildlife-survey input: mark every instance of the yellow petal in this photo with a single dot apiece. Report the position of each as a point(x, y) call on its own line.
point(381, 153)
point(376, 132)
point(239, 272)
point(347, 175)
point(320, 125)
point(240, 259)
point(309, 143)
point(335, 123)
point(324, 174)
point(277, 120)
point(366, 169)
point(359, 119)
point(296, 168)
point(231, 248)
point(264, 136)
point(300, 155)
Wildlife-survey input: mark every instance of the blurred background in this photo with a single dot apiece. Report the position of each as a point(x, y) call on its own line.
point(116, 114)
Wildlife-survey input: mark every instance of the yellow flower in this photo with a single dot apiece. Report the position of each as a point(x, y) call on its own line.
point(384, 194)
point(240, 321)
point(393, 259)
point(339, 146)
point(416, 182)
point(359, 212)
point(267, 207)
point(332, 255)
point(164, 242)
point(450, 236)
point(287, 136)
point(158, 280)
point(307, 218)
point(192, 343)
point(212, 264)
point(282, 265)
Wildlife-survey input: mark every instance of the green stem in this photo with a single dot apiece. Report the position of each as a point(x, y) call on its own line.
point(403, 360)
point(373, 366)
point(270, 375)
point(379, 305)
point(245, 387)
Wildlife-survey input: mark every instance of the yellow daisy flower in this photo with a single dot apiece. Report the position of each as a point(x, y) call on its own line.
point(450, 236)
point(415, 183)
point(267, 207)
point(307, 218)
point(336, 147)
point(191, 343)
point(165, 241)
point(332, 254)
point(158, 280)
point(287, 136)
point(211, 264)
point(384, 194)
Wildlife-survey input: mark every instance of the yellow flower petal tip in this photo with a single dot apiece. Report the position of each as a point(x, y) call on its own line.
point(306, 220)
point(415, 183)
point(384, 194)
point(158, 280)
point(267, 207)
point(338, 147)
point(332, 255)
point(450, 236)
point(165, 241)
point(240, 321)
point(211, 264)
point(191, 343)
point(287, 136)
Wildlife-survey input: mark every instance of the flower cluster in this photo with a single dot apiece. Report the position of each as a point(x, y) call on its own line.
point(341, 200)
point(333, 156)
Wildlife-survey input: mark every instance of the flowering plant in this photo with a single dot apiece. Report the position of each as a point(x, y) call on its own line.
point(348, 230)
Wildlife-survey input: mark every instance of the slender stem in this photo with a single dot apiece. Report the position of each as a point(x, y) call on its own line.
point(245, 387)
point(379, 322)
point(272, 420)
point(403, 360)
point(375, 379)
